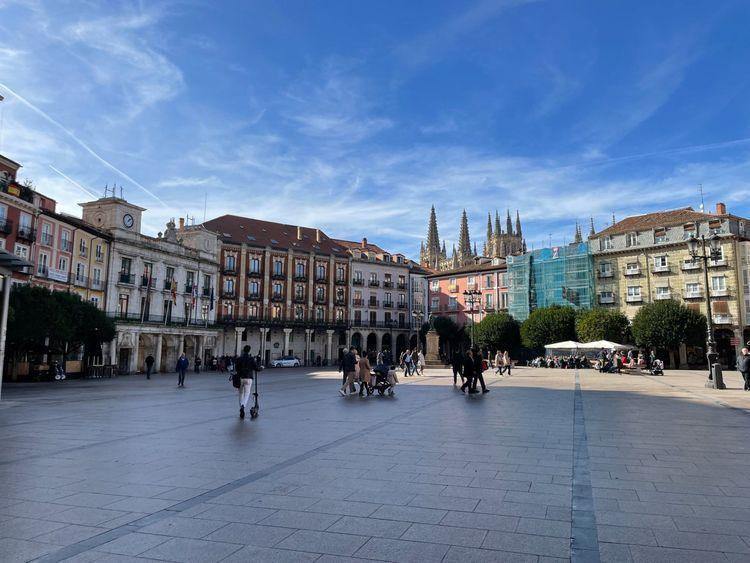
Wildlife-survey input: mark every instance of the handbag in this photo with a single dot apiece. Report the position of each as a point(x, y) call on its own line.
point(236, 380)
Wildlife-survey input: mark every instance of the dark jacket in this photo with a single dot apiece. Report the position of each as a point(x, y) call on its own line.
point(182, 363)
point(149, 360)
point(743, 364)
point(457, 361)
point(245, 366)
point(478, 363)
point(469, 367)
point(348, 362)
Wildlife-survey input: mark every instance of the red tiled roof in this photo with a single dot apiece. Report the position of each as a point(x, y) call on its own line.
point(352, 245)
point(254, 232)
point(650, 221)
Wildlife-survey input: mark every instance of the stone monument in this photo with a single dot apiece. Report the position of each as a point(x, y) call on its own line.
point(432, 357)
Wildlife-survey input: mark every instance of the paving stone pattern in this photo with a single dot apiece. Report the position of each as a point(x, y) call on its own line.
point(629, 468)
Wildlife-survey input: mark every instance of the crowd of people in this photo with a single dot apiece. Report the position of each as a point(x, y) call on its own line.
point(357, 369)
point(607, 361)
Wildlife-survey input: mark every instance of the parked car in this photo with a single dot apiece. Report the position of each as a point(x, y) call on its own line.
point(286, 362)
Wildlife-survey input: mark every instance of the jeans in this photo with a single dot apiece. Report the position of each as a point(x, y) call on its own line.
point(148, 370)
point(245, 390)
point(181, 377)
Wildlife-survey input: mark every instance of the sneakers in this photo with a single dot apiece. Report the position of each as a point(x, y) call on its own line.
point(242, 412)
point(485, 390)
point(341, 391)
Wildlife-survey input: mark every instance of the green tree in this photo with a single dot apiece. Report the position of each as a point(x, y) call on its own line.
point(499, 331)
point(547, 325)
point(666, 324)
point(602, 324)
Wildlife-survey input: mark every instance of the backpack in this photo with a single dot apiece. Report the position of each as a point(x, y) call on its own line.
point(236, 383)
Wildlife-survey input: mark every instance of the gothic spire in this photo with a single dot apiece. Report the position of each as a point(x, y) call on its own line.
point(592, 232)
point(578, 238)
point(464, 242)
point(490, 237)
point(498, 229)
point(509, 224)
point(475, 248)
point(518, 224)
point(433, 240)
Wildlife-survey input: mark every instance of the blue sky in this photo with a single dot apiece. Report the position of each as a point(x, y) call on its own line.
point(356, 116)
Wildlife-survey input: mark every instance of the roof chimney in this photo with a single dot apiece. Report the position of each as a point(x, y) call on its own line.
point(721, 209)
point(299, 233)
point(182, 223)
point(364, 242)
point(317, 235)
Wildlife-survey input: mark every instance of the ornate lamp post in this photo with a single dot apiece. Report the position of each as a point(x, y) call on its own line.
point(712, 252)
point(472, 297)
point(418, 316)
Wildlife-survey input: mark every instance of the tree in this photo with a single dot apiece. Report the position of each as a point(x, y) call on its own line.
point(602, 324)
point(451, 335)
point(666, 324)
point(547, 325)
point(499, 331)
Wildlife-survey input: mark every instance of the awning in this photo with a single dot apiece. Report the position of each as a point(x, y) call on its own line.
point(606, 345)
point(566, 345)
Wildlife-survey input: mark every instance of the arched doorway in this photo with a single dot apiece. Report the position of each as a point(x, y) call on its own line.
point(400, 345)
point(413, 341)
point(385, 342)
point(372, 342)
point(724, 347)
point(357, 340)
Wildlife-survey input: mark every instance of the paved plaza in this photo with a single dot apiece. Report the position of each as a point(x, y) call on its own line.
point(549, 466)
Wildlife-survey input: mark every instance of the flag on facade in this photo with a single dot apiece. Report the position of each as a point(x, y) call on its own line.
point(212, 299)
point(174, 291)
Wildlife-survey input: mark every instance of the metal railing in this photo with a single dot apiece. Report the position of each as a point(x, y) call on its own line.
point(6, 225)
point(125, 278)
point(357, 281)
point(26, 233)
point(47, 239)
point(66, 245)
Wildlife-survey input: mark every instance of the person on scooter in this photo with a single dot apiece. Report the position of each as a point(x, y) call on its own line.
point(246, 368)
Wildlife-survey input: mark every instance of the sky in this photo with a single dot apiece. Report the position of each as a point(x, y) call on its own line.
point(356, 116)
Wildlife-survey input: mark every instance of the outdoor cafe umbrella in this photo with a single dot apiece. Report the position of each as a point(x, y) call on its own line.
point(566, 345)
point(606, 345)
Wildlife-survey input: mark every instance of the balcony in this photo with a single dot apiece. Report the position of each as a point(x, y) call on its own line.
point(723, 292)
point(66, 245)
point(722, 318)
point(606, 299)
point(277, 297)
point(693, 294)
point(6, 226)
point(689, 265)
point(358, 281)
point(664, 269)
point(604, 274)
point(188, 288)
point(96, 284)
point(402, 305)
point(145, 282)
point(340, 301)
point(42, 271)
point(717, 263)
point(47, 239)
point(453, 288)
point(83, 252)
point(388, 304)
point(126, 278)
point(663, 296)
point(299, 299)
point(228, 294)
point(340, 281)
point(99, 257)
point(300, 277)
point(372, 303)
point(229, 271)
point(206, 292)
point(401, 286)
point(278, 276)
point(320, 300)
point(358, 303)
point(634, 299)
point(633, 271)
point(254, 273)
point(374, 283)
point(26, 233)
point(167, 285)
point(388, 284)
point(81, 281)
point(253, 296)
point(321, 279)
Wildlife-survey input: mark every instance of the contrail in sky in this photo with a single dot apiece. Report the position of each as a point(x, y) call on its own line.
point(79, 142)
point(72, 181)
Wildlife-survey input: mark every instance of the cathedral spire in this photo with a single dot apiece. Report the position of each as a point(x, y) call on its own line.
point(518, 224)
point(490, 237)
point(578, 238)
point(498, 229)
point(464, 241)
point(509, 224)
point(433, 240)
point(592, 232)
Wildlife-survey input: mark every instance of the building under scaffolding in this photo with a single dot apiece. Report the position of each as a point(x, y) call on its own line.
point(561, 275)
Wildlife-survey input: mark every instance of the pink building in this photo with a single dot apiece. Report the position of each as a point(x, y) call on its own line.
point(446, 291)
point(53, 251)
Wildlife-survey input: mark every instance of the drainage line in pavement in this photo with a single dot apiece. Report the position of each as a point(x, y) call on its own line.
point(96, 541)
point(584, 539)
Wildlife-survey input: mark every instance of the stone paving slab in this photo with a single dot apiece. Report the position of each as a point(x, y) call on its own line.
point(134, 470)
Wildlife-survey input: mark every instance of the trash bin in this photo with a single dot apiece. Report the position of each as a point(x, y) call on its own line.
point(718, 376)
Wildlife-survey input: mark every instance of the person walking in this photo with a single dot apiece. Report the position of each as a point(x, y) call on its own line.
point(468, 372)
point(197, 364)
point(149, 365)
point(457, 363)
point(408, 363)
point(743, 366)
point(246, 368)
point(507, 362)
point(182, 365)
point(348, 368)
point(420, 362)
point(478, 369)
point(498, 363)
point(363, 368)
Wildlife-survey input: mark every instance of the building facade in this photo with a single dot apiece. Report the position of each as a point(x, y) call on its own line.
point(446, 298)
point(284, 289)
point(645, 258)
point(158, 289)
point(18, 214)
point(560, 275)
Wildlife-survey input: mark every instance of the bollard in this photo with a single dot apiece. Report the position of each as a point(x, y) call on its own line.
point(718, 377)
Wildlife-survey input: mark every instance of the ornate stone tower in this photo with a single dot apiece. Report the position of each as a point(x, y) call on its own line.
point(465, 254)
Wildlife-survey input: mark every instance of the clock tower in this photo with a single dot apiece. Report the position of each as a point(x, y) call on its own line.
point(113, 213)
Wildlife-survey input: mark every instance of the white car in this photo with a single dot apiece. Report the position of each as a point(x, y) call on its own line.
point(285, 362)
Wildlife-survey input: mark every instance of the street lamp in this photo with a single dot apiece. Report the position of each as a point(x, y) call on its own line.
point(204, 314)
point(713, 252)
point(418, 316)
point(471, 298)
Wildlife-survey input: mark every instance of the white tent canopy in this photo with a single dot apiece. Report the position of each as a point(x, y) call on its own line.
point(566, 345)
point(606, 345)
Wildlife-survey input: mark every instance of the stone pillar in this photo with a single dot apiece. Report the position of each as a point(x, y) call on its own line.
point(199, 342)
point(683, 355)
point(180, 345)
point(113, 351)
point(134, 353)
point(287, 332)
point(262, 352)
point(308, 345)
point(238, 340)
point(157, 357)
point(348, 337)
point(432, 357)
point(329, 342)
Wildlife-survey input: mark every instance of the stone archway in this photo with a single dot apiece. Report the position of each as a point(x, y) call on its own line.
point(372, 342)
point(400, 345)
point(385, 342)
point(357, 340)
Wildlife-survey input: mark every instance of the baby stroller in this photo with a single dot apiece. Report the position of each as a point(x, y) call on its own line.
point(381, 379)
point(657, 368)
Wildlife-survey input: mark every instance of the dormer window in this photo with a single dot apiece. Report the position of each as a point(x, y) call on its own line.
point(660, 236)
point(631, 239)
point(605, 243)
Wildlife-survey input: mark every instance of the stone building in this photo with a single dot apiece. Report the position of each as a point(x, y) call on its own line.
point(18, 215)
point(284, 289)
point(645, 258)
point(160, 290)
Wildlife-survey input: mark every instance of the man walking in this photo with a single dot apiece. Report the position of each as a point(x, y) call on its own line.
point(182, 365)
point(743, 366)
point(408, 364)
point(246, 369)
point(348, 367)
point(149, 365)
point(457, 363)
point(478, 369)
point(468, 372)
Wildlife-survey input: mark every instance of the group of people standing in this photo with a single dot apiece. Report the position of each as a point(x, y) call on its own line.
point(469, 367)
point(412, 362)
point(357, 368)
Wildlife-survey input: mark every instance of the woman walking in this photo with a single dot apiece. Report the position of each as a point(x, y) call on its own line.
point(507, 362)
point(363, 370)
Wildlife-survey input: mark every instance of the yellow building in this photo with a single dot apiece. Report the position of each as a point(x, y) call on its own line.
point(89, 265)
point(645, 258)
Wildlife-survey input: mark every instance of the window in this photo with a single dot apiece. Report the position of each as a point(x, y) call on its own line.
point(631, 239)
point(662, 292)
point(358, 276)
point(255, 265)
point(99, 253)
point(254, 289)
point(719, 256)
point(125, 265)
point(122, 305)
point(46, 234)
point(452, 303)
point(206, 282)
point(320, 293)
point(97, 276)
point(82, 250)
point(373, 301)
point(229, 286)
point(402, 281)
point(688, 230)
point(605, 243)
point(661, 263)
point(660, 235)
point(65, 242)
point(388, 318)
point(43, 266)
point(605, 269)
point(388, 278)
point(634, 293)
point(169, 276)
point(373, 318)
point(503, 300)
point(252, 311)
point(229, 263)
point(95, 302)
point(373, 277)
point(718, 283)
point(692, 288)
point(278, 268)
point(320, 271)
point(435, 303)
point(190, 281)
point(62, 264)
point(299, 313)
point(606, 296)
point(388, 298)
point(488, 281)
point(340, 273)
point(228, 310)
point(402, 299)
point(471, 280)
point(434, 285)
point(340, 294)
point(276, 311)
point(80, 272)
point(320, 314)
point(277, 289)
point(357, 317)
point(632, 267)
point(299, 291)
point(503, 280)
point(339, 315)
point(489, 301)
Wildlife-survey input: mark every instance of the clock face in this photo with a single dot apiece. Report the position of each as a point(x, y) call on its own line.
point(127, 220)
